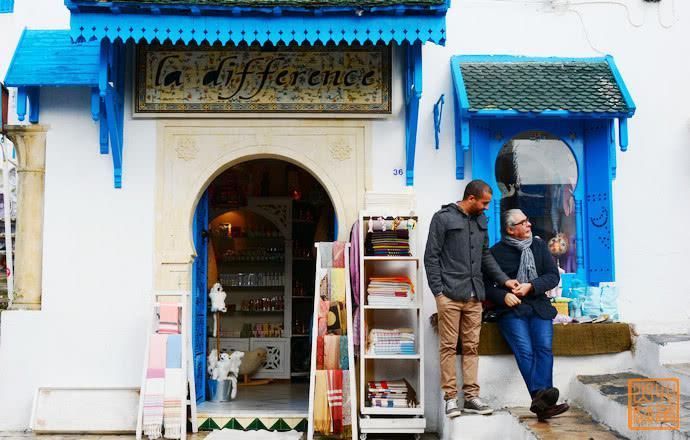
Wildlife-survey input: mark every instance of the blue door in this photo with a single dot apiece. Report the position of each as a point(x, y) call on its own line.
point(199, 296)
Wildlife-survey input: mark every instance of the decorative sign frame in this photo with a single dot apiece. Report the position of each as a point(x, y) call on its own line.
point(258, 80)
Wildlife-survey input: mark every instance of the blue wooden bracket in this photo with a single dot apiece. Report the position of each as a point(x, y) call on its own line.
point(612, 150)
point(110, 108)
point(438, 114)
point(32, 95)
point(21, 103)
point(623, 133)
point(413, 93)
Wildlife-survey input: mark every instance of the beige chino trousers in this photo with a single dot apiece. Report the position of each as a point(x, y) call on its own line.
point(464, 318)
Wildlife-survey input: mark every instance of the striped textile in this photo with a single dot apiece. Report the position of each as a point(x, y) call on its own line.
point(335, 399)
point(154, 387)
point(174, 388)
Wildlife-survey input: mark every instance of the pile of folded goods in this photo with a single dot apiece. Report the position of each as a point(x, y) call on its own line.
point(391, 342)
point(391, 394)
point(388, 243)
point(390, 291)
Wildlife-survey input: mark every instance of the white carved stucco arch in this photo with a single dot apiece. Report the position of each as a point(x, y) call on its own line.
point(191, 154)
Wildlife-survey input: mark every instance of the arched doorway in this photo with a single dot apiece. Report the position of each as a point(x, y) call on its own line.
point(255, 229)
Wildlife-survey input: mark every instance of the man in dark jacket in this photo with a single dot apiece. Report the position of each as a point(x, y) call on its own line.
point(457, 253)
point(525, 314)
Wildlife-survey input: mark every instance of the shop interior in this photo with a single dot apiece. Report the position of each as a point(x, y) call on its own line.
point(264, 217)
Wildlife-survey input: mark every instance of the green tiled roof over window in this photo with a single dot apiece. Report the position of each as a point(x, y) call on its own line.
point(542, 86)
point(294, 3)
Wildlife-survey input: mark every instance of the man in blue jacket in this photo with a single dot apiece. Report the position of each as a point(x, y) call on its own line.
point(525, 314)
point(457, 258)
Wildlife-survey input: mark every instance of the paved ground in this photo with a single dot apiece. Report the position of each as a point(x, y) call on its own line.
point(201, 435)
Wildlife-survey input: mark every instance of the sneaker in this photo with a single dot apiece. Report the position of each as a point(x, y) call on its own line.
point(476, 406)
point(452, 409)
point(544, 399)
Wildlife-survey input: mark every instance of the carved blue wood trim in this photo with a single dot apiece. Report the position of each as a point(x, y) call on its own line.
point(438, 115)
point(262, 30)
point(413, 93)
point(111, 108)
point(183, 8)
point(462, 126)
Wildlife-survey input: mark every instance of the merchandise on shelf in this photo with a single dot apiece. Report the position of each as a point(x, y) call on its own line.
point(252, 279)
point(388, 243)
point(399, 341)
point(390, 291)
point(391, 394)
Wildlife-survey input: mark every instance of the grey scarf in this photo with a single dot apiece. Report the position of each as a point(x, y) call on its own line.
point(528, 268)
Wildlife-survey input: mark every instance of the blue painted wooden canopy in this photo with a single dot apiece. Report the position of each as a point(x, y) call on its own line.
point(50, 58)
point(200, 23)
point(578, 101)
point(504, 87)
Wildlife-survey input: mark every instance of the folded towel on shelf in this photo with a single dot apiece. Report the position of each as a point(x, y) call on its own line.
point(337, 278)
point(391, 394)
point(399, 341)
point(390, 291)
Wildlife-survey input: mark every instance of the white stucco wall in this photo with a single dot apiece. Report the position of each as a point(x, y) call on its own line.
point(98, 241)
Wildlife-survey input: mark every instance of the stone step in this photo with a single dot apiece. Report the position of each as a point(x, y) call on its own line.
point(664, 355)
point(575, 424)
point(672, 348)
point(500, 425)
point(605, 397)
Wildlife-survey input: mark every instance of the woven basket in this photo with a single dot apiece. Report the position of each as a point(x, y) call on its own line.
point(561, 308)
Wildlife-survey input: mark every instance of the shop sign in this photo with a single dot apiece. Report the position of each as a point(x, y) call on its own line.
point(256, 80)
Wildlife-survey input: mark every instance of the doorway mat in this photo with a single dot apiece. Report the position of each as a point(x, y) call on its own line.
point(278, 424)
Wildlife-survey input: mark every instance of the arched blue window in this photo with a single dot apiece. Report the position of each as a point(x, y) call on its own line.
point(537, 172)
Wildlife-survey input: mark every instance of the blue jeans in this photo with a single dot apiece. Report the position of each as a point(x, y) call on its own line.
point(530, 337)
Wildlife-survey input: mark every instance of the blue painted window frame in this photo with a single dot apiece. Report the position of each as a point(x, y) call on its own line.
point(593, 145)
point(6, 6)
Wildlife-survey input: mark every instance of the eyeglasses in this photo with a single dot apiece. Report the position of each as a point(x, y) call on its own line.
point(521, 222)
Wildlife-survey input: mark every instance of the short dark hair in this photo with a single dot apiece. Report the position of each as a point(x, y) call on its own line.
point(476, 188)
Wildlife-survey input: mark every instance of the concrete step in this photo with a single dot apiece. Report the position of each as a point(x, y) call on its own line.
point(664, 355)
point(500, 425)
point(575, 424)
point(605, 397)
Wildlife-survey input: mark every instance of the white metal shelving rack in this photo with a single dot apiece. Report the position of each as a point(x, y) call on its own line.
point(374, 420)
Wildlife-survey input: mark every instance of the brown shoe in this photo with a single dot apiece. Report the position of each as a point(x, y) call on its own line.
point(552, 411)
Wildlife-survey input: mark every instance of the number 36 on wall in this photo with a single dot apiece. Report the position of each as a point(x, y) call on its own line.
point(398, 172)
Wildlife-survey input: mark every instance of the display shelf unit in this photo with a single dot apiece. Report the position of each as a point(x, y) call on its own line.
point(267, 221)
point(379, 367)
point(8, 201)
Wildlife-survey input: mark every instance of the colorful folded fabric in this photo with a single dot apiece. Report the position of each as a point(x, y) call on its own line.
point(331, 352)
point(335, 399)
point(174, 388)
point(339, 254)
point(319, 352)
point(169, 318)
point(154, 386)
point(347, 404)
point(322, 413)
point(324, 305)
point(344, 361)
point(337, 278)
point(326, 252)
